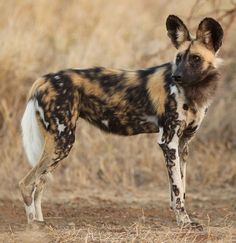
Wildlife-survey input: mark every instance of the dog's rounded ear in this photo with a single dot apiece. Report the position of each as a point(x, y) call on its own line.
point(177, 30)
point(210, 33)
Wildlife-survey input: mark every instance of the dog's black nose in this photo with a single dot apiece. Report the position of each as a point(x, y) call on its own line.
point(177, 78)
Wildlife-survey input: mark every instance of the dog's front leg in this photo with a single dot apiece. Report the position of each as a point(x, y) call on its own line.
point(183, 154)
point(171, 153)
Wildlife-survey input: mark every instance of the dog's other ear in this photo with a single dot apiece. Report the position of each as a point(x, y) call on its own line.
point(177, 30)
point(210, 33)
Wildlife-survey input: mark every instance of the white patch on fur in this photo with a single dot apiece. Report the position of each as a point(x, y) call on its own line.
point(33, 140)
point(207, 37)
point(174, 143)
point(192, 37)
point(150, 119)
point(41, 113)
point(160, 135)
point(38, 208)
point(60, 126)
point(217, 62)
point(173, 90)
point(105, 122)
point(31, 209)
point(180, 36)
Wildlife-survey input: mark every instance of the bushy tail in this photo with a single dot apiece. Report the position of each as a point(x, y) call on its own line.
point(33, 140)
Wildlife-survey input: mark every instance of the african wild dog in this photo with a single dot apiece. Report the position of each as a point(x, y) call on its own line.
point(170, 100)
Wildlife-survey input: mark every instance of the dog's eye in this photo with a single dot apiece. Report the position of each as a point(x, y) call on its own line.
point(196, 59)
point(178, 59)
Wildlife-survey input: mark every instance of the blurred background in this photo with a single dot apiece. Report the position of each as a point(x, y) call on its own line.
point(37, 37)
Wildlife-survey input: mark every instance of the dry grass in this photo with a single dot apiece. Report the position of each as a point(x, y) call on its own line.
point(136, 233)
point(41, 36)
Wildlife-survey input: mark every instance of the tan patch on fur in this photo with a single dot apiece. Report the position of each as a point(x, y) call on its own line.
point(110, 71)
point(95, 89)
point(118, 99)
point(42, 85)
point(197, 115)
point(157, 91)
point(184, 46)
point(129, 130)
point(199, 49)
point(131, 78)
point(27, 200)
point(208, 56)
point(47, 99)
point(36, 85)
point(75, 109)
point(49, 143)
point(76, 79)
point(90, 88)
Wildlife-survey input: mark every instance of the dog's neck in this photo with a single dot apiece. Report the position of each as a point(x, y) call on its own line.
point(202, 93)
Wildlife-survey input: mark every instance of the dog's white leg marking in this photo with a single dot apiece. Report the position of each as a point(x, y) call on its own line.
point(30, 206)
point(30, 209)
point(38, 197)
point(38, 208)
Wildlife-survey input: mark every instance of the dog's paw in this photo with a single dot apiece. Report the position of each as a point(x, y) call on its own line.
point(193, 225)
point(39, 225)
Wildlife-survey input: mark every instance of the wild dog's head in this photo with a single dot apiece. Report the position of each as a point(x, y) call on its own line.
point(196, 59)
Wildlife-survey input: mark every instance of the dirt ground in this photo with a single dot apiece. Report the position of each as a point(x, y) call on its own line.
point(141, 216)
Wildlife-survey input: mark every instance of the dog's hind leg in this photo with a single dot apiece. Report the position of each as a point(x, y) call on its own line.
point(38, 197)
point(48, 127)
point(32, 184)
point(31, 188)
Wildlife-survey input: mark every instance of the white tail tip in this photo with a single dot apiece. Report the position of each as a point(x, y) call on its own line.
point(32, 138)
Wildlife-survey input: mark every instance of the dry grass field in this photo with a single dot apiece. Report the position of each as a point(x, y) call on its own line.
point(111, 188)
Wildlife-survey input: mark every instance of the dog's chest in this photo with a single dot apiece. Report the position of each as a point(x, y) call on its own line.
point(193, 119)
point(182, 119)
point(195, 115)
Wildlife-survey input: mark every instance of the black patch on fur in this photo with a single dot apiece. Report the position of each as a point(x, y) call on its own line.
point(144, 73)
point(175, 190)
point(185, 107)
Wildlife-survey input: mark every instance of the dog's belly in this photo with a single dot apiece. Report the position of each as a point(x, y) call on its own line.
point(125, 117)
point(122, 124)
